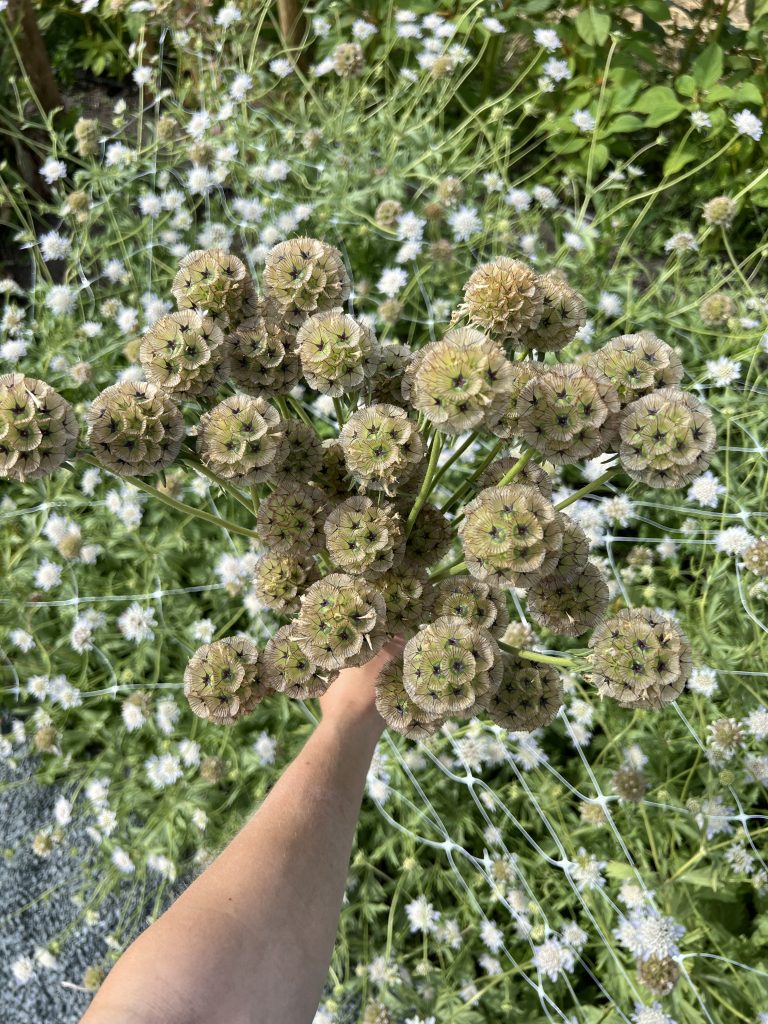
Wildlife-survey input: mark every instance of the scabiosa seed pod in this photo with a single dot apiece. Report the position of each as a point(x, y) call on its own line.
point(563, 316)
point(212, 283)
point(387, 213)
point(348, 60)
point(337, 352)
point(667, 438)
point(184, 354)
point(341, 622)
point(511, 535)
point(402, 588)
point(724, 737)
point(430, 539)
point(242, 440)
point(87, 133)
point(398, 709)
point(529, 696)
point(442, 250)
point(720, 211)
point(531, 474)
point(134, 429)
point(213, 770)
point(449, 191)
point(574, 554)
point(381, 446)
point(505, 298)
point(479, 603)
point(716, 310)
point(280, 578)
point(387, 382)
point(38, 429)
point(636, 364)
point(508, 424)
point(462, 381)
point(288, 670)
point(305, 453)
point(659, 974)
point(363, 537)
point(640, 658)
point(260, 349)
point(569, 605)
point(561, 412)
point(331, 476)
point(756, 557)
point(390, 311)
point(629, 784)
point(449, 664)
point(224, 680)
point(290, 519)
point(305, 276)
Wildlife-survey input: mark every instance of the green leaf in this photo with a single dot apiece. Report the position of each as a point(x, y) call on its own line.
point(624, 123)
point(748, 92)
point(678, 159)
point(656, 9)
point(685, 85)
point(660, 103)
point(719, 92)
point(593, 26)
point(708, 66)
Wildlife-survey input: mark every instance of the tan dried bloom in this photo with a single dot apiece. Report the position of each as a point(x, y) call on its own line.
point(348, 60)
point(479, 603)
point(523, 373)
point(242, 440)
point(213, 283)
point(449, 191)
point(531, 474)
point(87, 133)
point(569, 605)
point(504, 297)
point(430, 538)
point(184, 354)
point(261, 352)
point(716, 310)
point(134, 429)
point(756, 557)
point(363, 537)
point(288, 670)
point(398, 709)
point(386, 383)
point(387, 213)
point(563, 316)
point(529, 696)
point(337, 352)
point(305, 453)
point(574, 554)
point(290, 519)
point(629, 784)
point(462, 381)
point(402, 588)
point(390, 311)
point(636, 364)
point(305, 276)
point(38, 429)
point(280, 579)
point(659, 975)
point(224, 680)
point(381, 446)
point(342, 621)
point(720, 211)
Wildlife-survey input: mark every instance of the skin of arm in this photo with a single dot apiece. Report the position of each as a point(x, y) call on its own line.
point(251, 939)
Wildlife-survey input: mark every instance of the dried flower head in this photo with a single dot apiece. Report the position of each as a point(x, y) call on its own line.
point(387, 213)
point(305, 276)
point(667, 438)
point(87, 132)
point(561, 413)
point(290, 519)
point(363, 537)
point(348, 60)
point(242, 440)
point(224, 680)
point(280, 579)
point(531, 474)
point(387, 382)
point(341, 622)
point(756, 557)
point(305, 453)
point(261, 351)
point(450, 664)
point(511, 535)
point(641, 658)
point(430, 539)
point(381, 446)
point(134, 428)
point(337, 352)
point(479, 603)
point(659, 974)
point(563, 315)
point(402, 588)
point(288, 670)
point(720, 211)
point(38, 429)
point(331, 476)
point(508, 424)
point(461, 381)
point(571, 604)
point(574, 554)
point(529, 696)
point(184, 354)
point(398, 709)
point(636, 364)
point(449, 191)
point(717, 309)
point(630, 784)
point(505, 298)
point(213, 283)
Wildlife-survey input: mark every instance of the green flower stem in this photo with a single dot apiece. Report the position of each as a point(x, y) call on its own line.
point(546, 659)
point(466, 486)
point(203, 470)
point(454, 569)
point(435, 447)
point(604, 478)
point(518, 467)
point(455, 457)
point(180, 506)
point(340, 414)
point(300, 411)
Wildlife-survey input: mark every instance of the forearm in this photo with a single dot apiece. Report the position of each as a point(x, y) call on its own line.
point(251, 939)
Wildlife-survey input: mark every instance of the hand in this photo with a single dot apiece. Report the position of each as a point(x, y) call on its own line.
point(350, 699)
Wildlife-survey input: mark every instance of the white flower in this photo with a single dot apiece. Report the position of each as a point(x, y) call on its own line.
point(449, 932)
point(241, 83)
point(199, 819)
point(493, 25)
point(150, 205)
point(54, 246)
point(281, 67)
point(574, 936)
point(89, 480)
point(46, 959)
point(646, 933)
point(734, 540)
point(53, 170)
point(133, 716)
point(199, 181)
point(682, 241)
point(163, 770)
point(618, 510)
point(362, 29)
point(60, 299)
point(321, 26)
point(203, 630)
point(23, 969)
point(189, 752)
point(756, 723)
point(142, 75)
point(265, 748)
point(392, 281)
point(493, 182)
point(166, 715)
point(118, 155)
point(163, 865)
point(48, 575)
point(422, 916)
point(136, 623)
point(491, 936)
point(465, 223)
point(198, 124)
point(62, 811)
point(723, 371)
point(547, 38)
point(705, 490)
point(553, 958)
point(746, 123)
point(37, 687)
point(653, 1014)
point(22, 639)
point(610, 304)
point(574, 241)
point(228, 15)
point(122, 861)
point(704, 681)
point(583, 120)
point(410, 227)
point(518, 199)
point(557, 70)
point(587, 870)
point(633, 895)
point(700, 120)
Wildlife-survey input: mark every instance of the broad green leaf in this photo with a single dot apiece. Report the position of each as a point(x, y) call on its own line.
point(685, 85)
point(624, 123)
point(678, 159)
point(593, 26)
point(748, 92)
point(708, 66)
point(656, 9)
point(719, 92)
point(655, 98)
